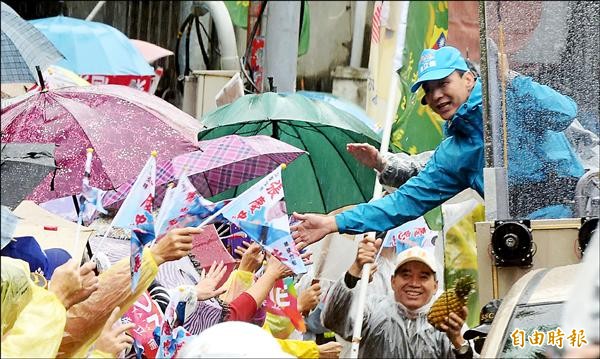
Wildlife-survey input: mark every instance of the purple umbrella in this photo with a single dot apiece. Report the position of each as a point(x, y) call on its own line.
point(220, 164)
point(122, 124)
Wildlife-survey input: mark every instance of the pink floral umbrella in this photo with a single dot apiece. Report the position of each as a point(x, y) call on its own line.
point(121, 124)
point(220, 164)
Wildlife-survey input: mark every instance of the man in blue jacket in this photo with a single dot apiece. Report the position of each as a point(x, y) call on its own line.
point(454, 93)
point(543, 167)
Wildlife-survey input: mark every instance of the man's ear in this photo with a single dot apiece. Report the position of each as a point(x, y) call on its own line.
point(470, 79)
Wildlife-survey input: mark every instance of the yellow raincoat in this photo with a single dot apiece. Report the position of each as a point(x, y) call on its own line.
point(33, 319)
point(85, 320)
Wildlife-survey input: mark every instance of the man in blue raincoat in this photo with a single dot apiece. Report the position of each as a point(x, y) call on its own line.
point(543, 167)
point(538, 152)
point(453, 92)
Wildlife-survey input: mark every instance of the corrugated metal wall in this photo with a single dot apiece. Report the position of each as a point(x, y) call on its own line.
point(152, 21)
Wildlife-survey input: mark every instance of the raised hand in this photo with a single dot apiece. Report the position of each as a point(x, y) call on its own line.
point(309, 298)
point(367, 251)
point(73, 284)
point(207, 287)
point(252, 256)
point(174, 245)
point(114, 339)
point(312, 228)
point(367, 155)
point(306, 258)
point(453, 326)
point(276, 269)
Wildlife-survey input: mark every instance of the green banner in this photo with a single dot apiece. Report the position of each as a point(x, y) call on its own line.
point(238, 11)
point(416, 128)
point(304, 40)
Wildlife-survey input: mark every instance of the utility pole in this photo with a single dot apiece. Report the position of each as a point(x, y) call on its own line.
point(281, 45)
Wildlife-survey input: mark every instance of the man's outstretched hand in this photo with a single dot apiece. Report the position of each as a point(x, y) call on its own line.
point(312, 228)
point(367, 155)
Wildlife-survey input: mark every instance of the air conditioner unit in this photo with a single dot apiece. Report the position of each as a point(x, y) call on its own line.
point(201, 88)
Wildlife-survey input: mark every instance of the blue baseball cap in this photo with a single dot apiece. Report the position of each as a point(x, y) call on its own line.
point(437, 64)
point(40, 261)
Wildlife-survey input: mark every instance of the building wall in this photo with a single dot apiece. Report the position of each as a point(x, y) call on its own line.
point(330, 43)
point(463, 27)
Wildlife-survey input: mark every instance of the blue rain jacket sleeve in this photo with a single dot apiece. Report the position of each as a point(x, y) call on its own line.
point(456, 164)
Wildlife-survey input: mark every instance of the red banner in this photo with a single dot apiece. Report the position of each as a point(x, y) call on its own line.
point(146, 315)
point(140, 82)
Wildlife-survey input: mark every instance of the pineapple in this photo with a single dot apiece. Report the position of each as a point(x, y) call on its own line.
point(452, 300)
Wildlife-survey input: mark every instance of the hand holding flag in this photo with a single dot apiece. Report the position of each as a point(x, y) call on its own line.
point(261, 213)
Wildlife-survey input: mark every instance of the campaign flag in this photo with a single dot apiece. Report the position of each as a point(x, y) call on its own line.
point(170, 339)
point(146, 315)
point(138, 239)
point(178, 201)
point(416, 127)
point(261, 213)
point(283, 301)
point(136, 214)
point(171, 335)
point(136, 210)
point(410, 234)
point(184, 207)
point(93, 197)
point(165, 208)
point(202, 208)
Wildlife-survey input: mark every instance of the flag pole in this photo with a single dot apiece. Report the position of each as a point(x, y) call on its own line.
point(152, 154)
point(385, 140)
point(85, 181)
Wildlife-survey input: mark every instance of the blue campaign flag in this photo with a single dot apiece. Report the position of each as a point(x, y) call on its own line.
point(136, 210)
point(261, 213)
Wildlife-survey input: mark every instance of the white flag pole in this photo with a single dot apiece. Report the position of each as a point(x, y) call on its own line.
point(385, 140)
point(152, 154)
point(85, 181)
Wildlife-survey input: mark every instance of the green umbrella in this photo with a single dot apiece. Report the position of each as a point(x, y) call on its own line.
point(324, 180)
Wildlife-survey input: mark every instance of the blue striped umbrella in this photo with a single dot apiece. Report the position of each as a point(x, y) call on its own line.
point(23, 48)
